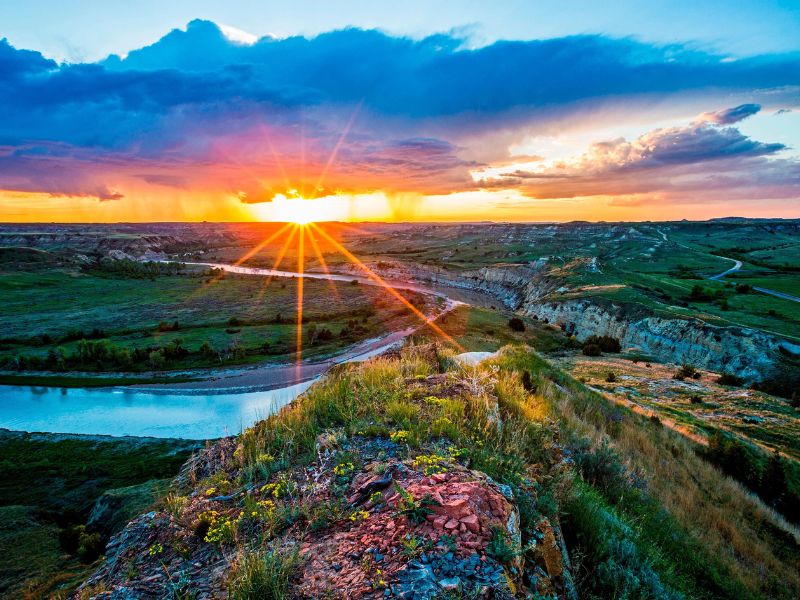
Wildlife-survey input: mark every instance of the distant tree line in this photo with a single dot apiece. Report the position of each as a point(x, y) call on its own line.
point(133, 269)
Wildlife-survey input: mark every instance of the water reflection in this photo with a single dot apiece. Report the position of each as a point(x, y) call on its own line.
point(138, 412)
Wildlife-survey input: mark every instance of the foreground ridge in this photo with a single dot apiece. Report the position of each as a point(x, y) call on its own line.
point(411, 476)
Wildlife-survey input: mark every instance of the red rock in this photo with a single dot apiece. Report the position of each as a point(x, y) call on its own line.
point(439, 521)
point(390, 525)
point(451, 524)
point(472, 523)
point(439, 477)
point(454, 508)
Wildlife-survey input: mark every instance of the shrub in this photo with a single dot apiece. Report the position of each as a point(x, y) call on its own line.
point(265, 575)
point(516, 324)
point(606, 343)
point(90, 545)
point(611, 377)
point(735, 458)
point(414, 510)
point(528, 383)
point(701, 294)
point(686, 371)
point(730, 379)
point(591, 350)
point(600, 467)
point(164, 326)
point(498, 547)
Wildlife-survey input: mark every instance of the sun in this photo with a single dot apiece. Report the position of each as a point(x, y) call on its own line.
point(294, 209)
point(302, 211)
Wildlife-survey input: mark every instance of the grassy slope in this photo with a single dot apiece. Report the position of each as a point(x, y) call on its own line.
point(702, 531)
point(644, 515)
point(55, 301)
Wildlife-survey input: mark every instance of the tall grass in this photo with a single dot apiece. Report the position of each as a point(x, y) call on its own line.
point(707, 534)
point(263, 575)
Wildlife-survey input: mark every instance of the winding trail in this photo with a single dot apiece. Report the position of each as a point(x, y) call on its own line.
point(733, 269)
point(737, 265)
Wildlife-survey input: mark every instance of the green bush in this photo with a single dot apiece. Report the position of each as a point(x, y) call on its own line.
point(516, 324)
point(606, 343)
point(600, 467)
point(729, 379)
point(686, 371)
point(591, 350)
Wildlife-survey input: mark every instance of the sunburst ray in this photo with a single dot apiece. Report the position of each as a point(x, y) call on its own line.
point(380, 281)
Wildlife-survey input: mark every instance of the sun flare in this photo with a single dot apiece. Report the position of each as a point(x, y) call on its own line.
point(301, 211)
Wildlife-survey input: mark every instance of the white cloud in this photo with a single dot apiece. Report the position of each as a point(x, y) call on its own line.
point(238, 36)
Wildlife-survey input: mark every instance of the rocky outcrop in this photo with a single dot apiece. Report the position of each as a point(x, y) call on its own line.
point(398, 526)
point(751, 354)
point(748, 353)
point(512, 284)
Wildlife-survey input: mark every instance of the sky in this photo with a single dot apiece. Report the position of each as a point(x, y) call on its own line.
point(412, 111)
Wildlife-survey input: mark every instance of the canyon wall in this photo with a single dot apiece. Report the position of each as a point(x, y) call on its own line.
point(747, 353)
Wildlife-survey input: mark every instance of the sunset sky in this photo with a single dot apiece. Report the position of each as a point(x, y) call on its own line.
point(414, 110)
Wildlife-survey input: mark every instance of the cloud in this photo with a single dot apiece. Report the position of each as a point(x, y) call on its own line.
point(729, 116)
point(165, 179)
point(356, 110)
point(439, 76)
point(52, 170)
point(699, 160)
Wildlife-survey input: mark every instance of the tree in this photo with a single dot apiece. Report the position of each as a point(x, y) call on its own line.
point(156, 359)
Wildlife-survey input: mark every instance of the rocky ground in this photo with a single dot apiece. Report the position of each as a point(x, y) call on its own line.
point(369, 517)
point(691, 405)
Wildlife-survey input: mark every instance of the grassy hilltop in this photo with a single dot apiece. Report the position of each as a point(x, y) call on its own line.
point(582, 496)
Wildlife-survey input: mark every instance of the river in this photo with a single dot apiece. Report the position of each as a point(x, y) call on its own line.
point(223, 405)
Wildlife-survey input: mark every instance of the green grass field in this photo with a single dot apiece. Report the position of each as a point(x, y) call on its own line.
point(50, 308)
